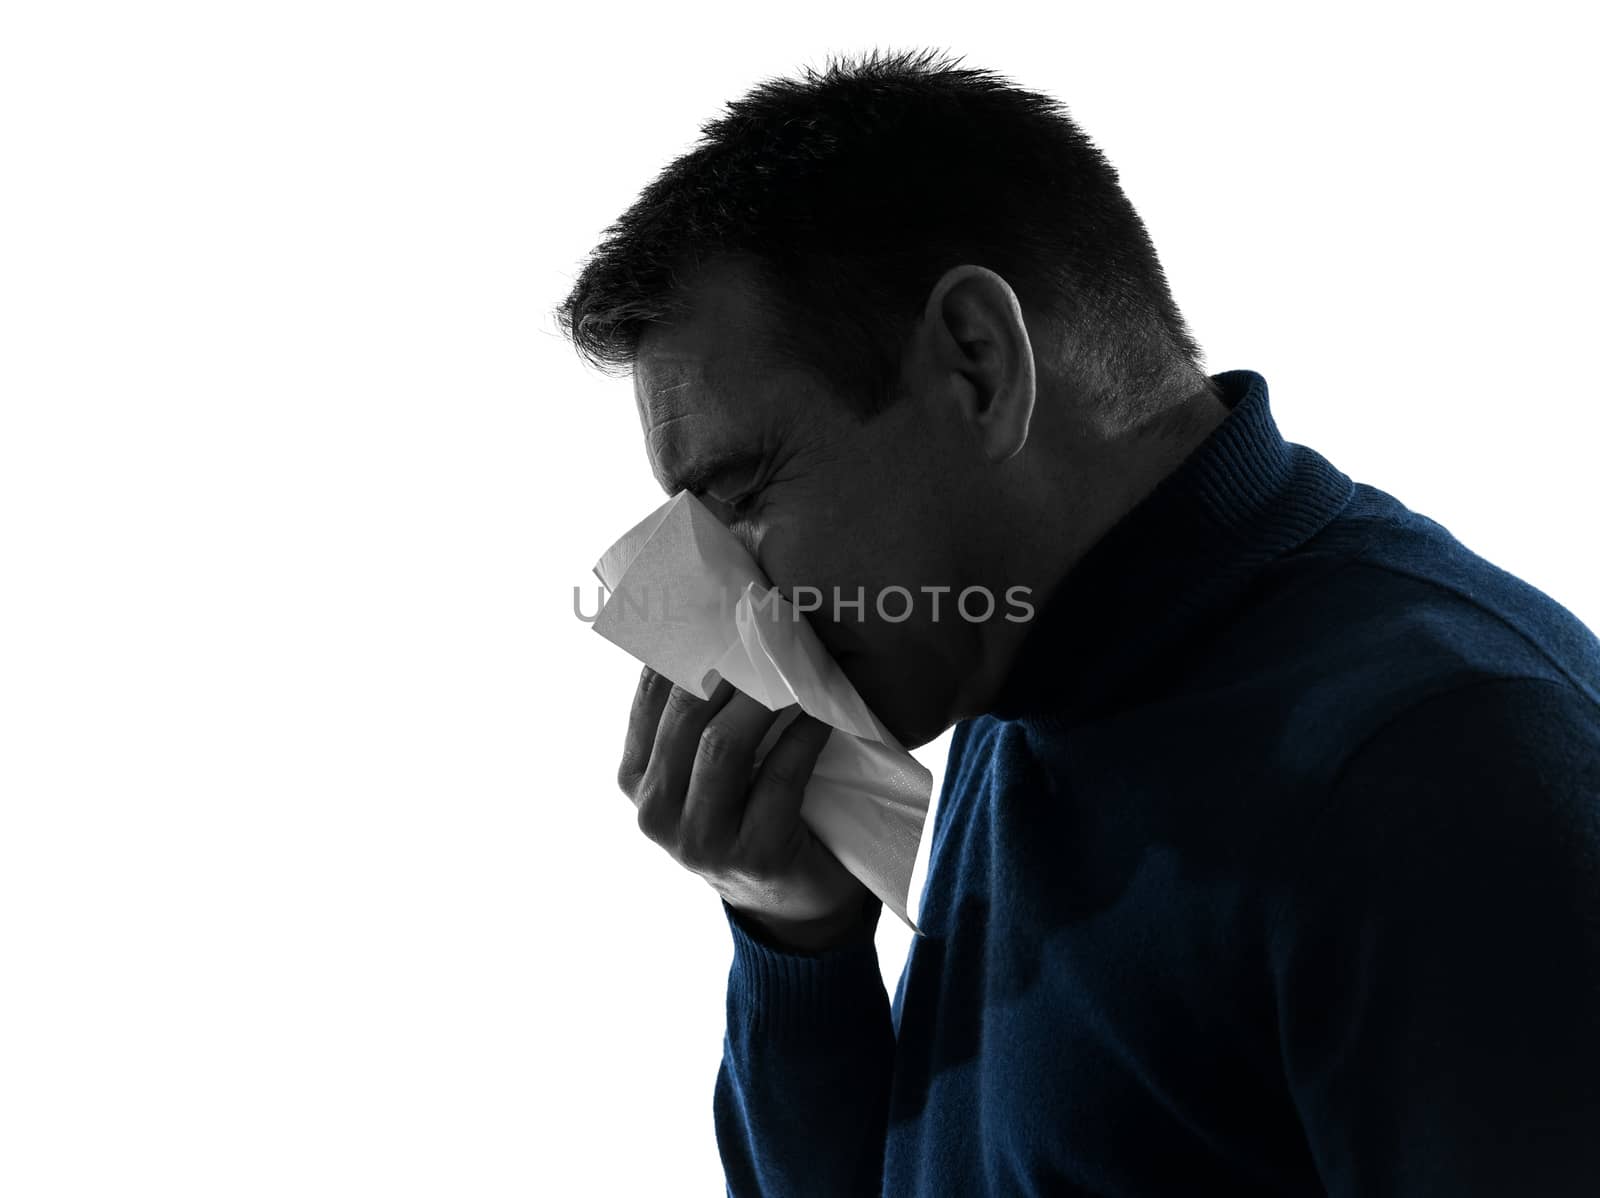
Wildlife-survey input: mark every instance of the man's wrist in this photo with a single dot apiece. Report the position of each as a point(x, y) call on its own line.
point(851, 927)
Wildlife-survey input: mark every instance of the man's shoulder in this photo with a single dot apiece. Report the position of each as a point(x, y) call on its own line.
point(1382, 611)
point(1388, 599)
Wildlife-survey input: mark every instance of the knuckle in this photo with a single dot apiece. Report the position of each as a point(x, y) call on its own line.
point(651, 799)
point(682, 703)
point(646, 794)
point(718, 746)
point(652, 824)
point(784, 775)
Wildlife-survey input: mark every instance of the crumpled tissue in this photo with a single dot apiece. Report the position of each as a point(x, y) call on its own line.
point(688, 600)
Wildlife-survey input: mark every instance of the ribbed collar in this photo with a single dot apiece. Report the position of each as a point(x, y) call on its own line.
point(1179, 558)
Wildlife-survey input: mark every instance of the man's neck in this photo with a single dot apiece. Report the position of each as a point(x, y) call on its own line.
point(1102, 486)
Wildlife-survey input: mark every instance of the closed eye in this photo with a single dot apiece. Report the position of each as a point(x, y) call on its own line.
point(741, 504)
point(738, 510)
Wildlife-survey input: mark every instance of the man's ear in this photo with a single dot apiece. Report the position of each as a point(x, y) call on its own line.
point(975, 346)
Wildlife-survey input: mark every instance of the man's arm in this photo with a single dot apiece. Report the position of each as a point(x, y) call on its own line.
point(1437, 953)
point(800, 1103)
point(801, 1099)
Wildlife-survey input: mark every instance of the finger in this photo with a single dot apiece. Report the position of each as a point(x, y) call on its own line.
point(648, 700)
point(660, 794)
point(720, 779)
point(779, 786)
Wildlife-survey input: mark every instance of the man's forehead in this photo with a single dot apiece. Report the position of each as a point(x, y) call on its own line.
point(671, 391)
point(667, 387)
point(690, 422)
point(711, 356)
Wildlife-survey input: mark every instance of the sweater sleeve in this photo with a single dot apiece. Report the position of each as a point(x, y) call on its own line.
point(801, 1100)
point(1437, 953)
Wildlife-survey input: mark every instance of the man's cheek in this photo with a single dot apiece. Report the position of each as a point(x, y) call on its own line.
point(809, 601)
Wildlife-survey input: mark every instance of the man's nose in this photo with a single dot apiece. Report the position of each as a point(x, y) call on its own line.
point(742, 531)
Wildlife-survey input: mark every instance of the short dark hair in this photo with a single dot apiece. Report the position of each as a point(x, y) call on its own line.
point(852, 191)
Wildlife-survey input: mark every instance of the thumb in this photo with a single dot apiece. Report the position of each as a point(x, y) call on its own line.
point(779, 785)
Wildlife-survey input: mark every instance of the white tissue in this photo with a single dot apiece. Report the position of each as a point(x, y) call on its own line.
point(689, 601)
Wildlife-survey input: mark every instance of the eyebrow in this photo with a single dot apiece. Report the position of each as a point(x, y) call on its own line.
point(697, 475)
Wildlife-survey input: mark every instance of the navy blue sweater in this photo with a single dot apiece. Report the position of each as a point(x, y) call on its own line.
point(1274, 870)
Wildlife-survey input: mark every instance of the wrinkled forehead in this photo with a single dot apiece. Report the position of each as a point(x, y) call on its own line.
point(668, 385)
point(695, 408)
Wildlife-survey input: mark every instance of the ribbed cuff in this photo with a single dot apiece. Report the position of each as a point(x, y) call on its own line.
point(793, 994)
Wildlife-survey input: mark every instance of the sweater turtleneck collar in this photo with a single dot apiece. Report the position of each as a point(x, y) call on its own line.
point(1178, 558)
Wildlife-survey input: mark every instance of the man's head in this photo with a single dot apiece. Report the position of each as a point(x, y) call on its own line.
point(899, 327)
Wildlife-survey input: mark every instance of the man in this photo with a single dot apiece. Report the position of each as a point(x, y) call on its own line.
point(1268, 857)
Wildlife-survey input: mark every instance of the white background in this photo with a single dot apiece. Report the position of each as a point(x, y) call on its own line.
point(313, 875)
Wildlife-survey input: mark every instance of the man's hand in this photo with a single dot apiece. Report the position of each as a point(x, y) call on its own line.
point(689, 767)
